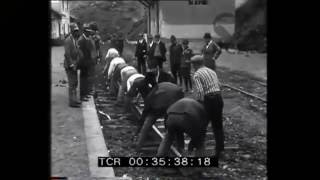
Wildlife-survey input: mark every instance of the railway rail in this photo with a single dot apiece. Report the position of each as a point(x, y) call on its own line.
point(244, 92)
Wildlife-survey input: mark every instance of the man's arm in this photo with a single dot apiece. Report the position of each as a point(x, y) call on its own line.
point(199, 89)
point(217, 51)
point(111, 68)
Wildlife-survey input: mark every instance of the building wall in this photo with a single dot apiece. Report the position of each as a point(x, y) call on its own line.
point(192, 21)
point(55, 29)
point(63, 8)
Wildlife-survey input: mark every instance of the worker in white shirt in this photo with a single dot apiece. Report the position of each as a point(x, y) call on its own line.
point(114, 75)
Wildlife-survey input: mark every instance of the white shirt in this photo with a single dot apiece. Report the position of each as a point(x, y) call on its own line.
point(131, 79)
point(114, 62)
point(123, 70)
point(209, 44)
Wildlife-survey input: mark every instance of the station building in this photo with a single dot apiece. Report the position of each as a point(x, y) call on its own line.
point(190, 18)
point(60, 19)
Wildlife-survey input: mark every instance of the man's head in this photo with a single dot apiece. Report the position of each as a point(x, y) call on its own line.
point(149, 37)
point(185, 43)
point(207, 37)
point(86, 30)
point(74, 30)
point(157, 37)
point(173, 39)
point(112, 53)
point(197, 61)
point(140, 35)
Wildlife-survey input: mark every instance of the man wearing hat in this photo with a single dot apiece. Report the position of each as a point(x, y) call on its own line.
point(86, 45)
point(157, 52)
point(175, 59)
point(211, 51)
point(185, 67)
point(141, 51)
point(72, 56)
point(208, 93)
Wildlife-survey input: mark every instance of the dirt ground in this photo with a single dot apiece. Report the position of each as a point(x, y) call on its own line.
point(244, 124)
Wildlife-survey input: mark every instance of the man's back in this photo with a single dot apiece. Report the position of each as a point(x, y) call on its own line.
point(162, 96)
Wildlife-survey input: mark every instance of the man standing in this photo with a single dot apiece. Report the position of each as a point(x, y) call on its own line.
point(120, 43)
point(72, 56)
point(211, 51)
point(97, 40)
point(141, 51)
point(185, 116)
point(208, 93)
point(86, 62)
point(157, 51)
point(175, 59)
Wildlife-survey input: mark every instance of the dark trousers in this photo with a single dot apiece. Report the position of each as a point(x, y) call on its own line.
point(141, 65)
point(210, 64)
point(159, 61)
point(84, 81)
point(91, 78)
point(213, 104)
point(175, 69)
point(176, 127)
point(73, 83)
point(185, 72)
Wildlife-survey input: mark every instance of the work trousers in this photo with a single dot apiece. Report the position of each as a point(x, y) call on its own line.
point(213, 104)
point(176, 127)
point(185, 72)
point(141, 65)
point(84, 81)
point(175, 70)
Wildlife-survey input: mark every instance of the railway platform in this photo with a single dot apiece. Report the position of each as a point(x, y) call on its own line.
point(76, 137)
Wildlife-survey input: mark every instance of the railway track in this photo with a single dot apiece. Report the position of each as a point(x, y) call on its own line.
point(159, 129)
point(244, 92)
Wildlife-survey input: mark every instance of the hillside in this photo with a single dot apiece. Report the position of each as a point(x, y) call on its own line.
point(111, 16)
point(251, 26)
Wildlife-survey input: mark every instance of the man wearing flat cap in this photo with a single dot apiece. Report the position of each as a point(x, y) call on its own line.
point(208, 93)
point(87, 61)
point(211, 51)
point(72, 56)
point(157, 52)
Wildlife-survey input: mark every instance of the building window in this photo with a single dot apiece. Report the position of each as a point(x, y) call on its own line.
point(198, 2)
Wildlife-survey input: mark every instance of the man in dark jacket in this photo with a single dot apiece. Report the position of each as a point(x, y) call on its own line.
point(161, 97)
point(185, 116)
point(72, 56)
point(87, 61)
point(211, 51)
point(175, 58)
point(157, 51)
point(141, 51)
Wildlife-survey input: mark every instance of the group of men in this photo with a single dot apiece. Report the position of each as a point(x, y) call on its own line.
point(164, 98)
point(159, 90)
point(151, 53)
point(82, 52)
